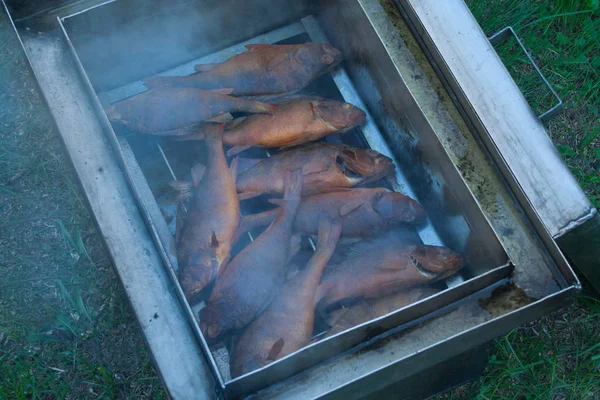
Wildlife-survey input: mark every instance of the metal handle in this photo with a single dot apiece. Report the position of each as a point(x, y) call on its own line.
point(503, 35)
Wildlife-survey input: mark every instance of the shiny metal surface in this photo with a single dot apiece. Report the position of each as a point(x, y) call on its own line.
point(136, 260)
point(343, 341)
point(505, 34)
point(142, 202)
point(512, 133)
point(405, 100)
point(482, 249)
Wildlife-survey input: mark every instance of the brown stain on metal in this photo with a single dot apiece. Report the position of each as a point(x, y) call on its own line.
point(505, 299)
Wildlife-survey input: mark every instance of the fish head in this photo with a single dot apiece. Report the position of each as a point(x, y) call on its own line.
point(363, 165)
point(198, 270)
point(395, 207)
point(318, 56)
point(340, 116)
point(435, 262)
point(212, 320)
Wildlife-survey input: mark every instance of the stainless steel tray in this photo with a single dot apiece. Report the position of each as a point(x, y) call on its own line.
point(466, 230)
point(403, 108)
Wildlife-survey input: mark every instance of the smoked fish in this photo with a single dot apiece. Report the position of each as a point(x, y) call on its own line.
point(251, 280)
point(345, 318)
point(293, 122)
point(264, 69)
point(381, 269)
point(204, 241)
point(325, 166)
point(364, 212)
point(287, 324)
point(179, 111)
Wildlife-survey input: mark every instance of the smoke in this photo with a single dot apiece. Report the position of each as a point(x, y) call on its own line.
point(122, 42)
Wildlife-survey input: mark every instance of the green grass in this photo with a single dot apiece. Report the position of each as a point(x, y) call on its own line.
point(563, 36)
point(66, 330)
point(559, 356)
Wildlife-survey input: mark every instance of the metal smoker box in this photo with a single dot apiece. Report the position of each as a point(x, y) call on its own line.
point(448, 156)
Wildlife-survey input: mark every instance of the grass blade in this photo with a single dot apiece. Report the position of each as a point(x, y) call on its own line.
point(81, 306)
point(65, 233)
point(65, 293)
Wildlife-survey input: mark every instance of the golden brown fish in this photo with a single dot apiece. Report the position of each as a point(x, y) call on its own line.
point(263, 69)
point(287, 324)
point(345, 318)
point(325, 166)
point(253, 277)
point(364, 212)
point(178, 111)
point(204, 240)
point(294, 122)
point(378, 269)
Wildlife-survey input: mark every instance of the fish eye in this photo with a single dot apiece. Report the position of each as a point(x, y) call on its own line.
point(379, 195)
point(339, 160)
point(327, 59)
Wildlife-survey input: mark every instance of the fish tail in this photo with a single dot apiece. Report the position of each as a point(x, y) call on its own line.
point(213, 131)
point(328, 234)
point(417, 212)
point(262, 108)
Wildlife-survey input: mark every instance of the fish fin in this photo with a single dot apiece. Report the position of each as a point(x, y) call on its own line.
point(251, 46)
point(274, 97)
point(235, 123)
point(328, 234)
point(245, 164)
point(204, 67)
point(248, 195)
point(214, 242)
point(318, 180)
point(198, 172)
point(179, 132)
point(277, 61)
point(312, 168)
point(351, 206)
point(221, 118)
point(277, 202)
point(233, 168)
point(225, 91)
point(275, 350)
point(302, 139)
point(236, 150)
point(185, 189)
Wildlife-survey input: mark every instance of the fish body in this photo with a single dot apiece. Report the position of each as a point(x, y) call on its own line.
point(292, 123)
point(381, 269)
point(346, 318)
point(204, 240)
point(364, 212)
point(325, 166)
point(253, 277)
point(263, 69)
point(287, 324)
point(174, 111)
